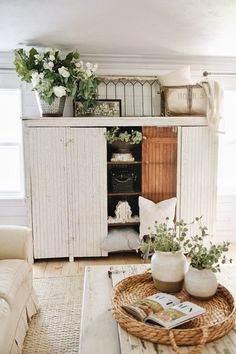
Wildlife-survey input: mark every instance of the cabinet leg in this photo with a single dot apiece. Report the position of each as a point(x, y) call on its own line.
point(71, 259)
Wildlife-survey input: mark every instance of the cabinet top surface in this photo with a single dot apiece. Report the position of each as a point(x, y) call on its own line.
point(113, 121)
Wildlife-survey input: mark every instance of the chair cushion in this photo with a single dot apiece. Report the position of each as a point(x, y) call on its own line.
point(13, 273)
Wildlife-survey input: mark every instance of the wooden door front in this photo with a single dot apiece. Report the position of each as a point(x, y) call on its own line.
point(159, 163)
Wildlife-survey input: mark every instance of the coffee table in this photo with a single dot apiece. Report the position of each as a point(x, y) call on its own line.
point(100, 334)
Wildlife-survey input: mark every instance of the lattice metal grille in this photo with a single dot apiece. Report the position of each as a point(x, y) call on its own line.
point(140, 96)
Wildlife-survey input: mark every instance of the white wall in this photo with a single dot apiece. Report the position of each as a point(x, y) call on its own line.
point(14, 212)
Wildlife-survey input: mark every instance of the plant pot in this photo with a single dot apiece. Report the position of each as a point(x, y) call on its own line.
point(51, 110)
point(122, 147)
point(168, 269)
point(201, 284)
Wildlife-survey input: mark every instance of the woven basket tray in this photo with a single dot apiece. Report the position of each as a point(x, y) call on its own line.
point(216, 322)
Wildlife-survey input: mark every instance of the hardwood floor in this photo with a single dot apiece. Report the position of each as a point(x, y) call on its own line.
point(54, 268)
point(57, 268)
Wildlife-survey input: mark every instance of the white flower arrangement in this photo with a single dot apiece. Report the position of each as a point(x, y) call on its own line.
point(53, 76)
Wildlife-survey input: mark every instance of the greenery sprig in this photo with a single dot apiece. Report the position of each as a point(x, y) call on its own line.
point(206, 257)
point(114, 134)
point(172, 239)
point(165, 238)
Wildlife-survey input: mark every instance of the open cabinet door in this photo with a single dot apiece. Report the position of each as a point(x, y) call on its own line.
point(159, 163)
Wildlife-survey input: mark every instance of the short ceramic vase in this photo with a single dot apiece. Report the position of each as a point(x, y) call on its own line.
point(168, 270)
point(201, 284)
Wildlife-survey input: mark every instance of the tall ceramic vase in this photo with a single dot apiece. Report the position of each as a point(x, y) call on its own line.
point(51, 110)
point(168, 270)
point(201, 284)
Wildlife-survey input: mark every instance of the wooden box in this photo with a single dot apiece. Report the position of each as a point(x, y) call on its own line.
point(189, 100)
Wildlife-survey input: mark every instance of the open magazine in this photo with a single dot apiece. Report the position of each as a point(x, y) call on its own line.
point(163, 309)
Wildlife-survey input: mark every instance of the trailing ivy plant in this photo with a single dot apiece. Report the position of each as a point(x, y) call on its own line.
point(114, 134)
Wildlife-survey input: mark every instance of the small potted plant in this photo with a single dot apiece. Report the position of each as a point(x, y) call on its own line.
point(55, 76)
point(168, 263)
point(123, 141)
point(205, 261)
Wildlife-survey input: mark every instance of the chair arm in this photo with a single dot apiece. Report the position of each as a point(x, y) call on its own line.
point(15, 243)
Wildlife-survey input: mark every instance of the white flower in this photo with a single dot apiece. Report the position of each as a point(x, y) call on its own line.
point(89, 66)
point(59, 91)
point(48, 65)
point(79, 64)
point(88, 72)
point(35, 78)
point(64, 72)
point(52, 50)
point(51, 57)
point(38, 57)
point(95, 67)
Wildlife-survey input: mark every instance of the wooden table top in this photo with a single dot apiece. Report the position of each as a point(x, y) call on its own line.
point(100, 333)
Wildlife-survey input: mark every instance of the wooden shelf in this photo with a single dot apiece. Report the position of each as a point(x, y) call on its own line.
point(124, 162)
point(135, 223)
point(111, 194)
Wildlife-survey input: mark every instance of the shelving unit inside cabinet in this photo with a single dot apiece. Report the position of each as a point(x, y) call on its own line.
point(124, 181)
point(153, 173)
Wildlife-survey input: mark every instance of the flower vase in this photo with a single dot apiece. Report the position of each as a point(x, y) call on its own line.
point(168, 269)
point(51, 110)
point(201, 284)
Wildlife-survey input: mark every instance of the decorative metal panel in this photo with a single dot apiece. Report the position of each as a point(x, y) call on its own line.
point(140, 96)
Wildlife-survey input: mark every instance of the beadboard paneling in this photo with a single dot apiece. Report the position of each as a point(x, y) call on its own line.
point(48, 155)
point(198, 175)
point(88, 191)
point(159, 163)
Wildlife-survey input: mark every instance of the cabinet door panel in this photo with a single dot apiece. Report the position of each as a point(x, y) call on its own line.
point(88, 191)
point(47, 153)
point(198, 175)
point(159, 166)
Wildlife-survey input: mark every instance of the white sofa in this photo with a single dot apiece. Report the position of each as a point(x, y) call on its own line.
point(18, 302)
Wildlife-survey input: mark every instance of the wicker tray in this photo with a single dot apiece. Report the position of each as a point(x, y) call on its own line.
point(215, 323)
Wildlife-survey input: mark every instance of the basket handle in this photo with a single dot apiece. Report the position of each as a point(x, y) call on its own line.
point(196, 349)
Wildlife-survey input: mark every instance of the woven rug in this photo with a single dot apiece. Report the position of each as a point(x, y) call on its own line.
point(55, 329)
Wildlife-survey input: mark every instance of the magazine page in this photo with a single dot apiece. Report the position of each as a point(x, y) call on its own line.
point(151, 305)
point(176, 315)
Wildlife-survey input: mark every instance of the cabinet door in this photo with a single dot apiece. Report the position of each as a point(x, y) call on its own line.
point(159, 163)
point(198, 175)
point(88, 191)
point(48, 180)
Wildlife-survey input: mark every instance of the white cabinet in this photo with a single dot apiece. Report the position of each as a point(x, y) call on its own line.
point(66, 179)
point(66, 170)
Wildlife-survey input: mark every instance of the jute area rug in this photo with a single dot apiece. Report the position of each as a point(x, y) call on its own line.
point(55, 329)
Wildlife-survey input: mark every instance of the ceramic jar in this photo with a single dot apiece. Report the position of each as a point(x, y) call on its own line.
point(168, 269)
point(201, 284)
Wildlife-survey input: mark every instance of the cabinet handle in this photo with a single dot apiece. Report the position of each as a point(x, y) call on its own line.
point(144, 137)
